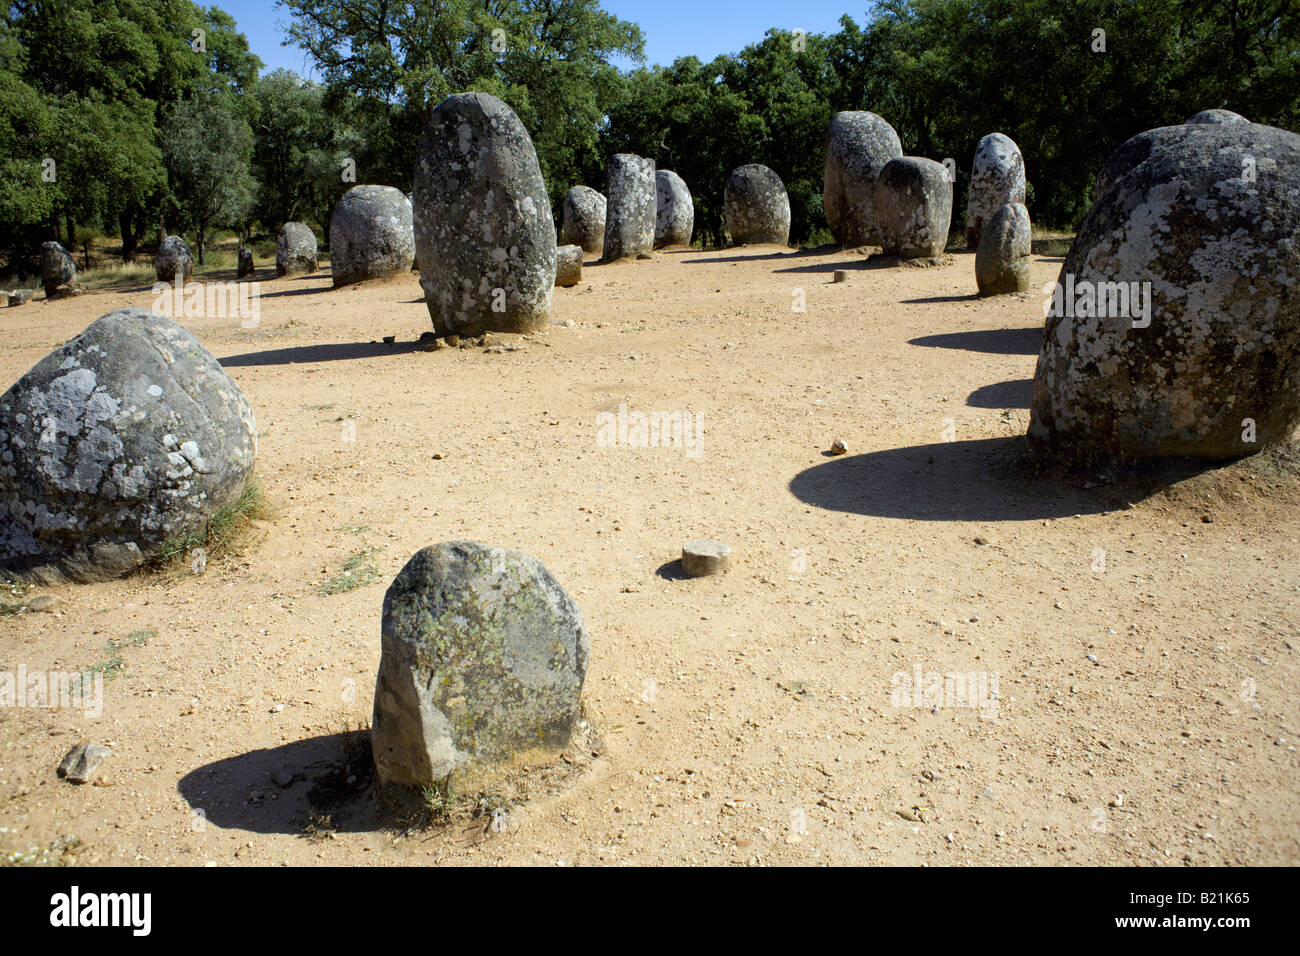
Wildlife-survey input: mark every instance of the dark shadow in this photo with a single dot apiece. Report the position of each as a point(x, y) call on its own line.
point(334, 352)
point(673, 571)
point(984, 480)
point(284, 292)
point(941, 298)
point(1051, 258)
point(1010, 394)
point(991, 341)
point(876, 260)
point(760, 256)
point(241, 793)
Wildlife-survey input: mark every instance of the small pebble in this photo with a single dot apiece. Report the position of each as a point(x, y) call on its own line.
point(837, 447)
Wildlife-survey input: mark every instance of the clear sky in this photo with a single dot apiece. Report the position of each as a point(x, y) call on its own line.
point(672, 28)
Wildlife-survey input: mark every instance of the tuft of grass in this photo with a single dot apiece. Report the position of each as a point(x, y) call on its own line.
point(358, 571)
point(113, 665)
point(62, 851)
point(319, 827)
point(219, 536)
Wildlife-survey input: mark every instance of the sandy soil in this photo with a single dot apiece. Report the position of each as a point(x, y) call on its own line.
point(746, 718)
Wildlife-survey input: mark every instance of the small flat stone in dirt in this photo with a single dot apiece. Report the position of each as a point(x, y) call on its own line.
point(840, 276)
point(838, 448)
point(83, 762)
point(701, 558)
point(44, 602)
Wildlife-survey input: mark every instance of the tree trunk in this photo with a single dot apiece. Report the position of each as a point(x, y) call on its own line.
point(200, 241)
point(128, 236)
point(72, 233)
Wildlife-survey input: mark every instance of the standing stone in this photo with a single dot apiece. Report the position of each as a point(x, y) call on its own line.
point(913, 208)
point(584, 219)
point(630, 216)
point(756, 207)
point(245, 267)
point(483, 660)
point(483, 220)
point(1215, 116)
point(174, 258)
point(702, 557)
point(128, 436)
point(568, 265)
point(674, 210)
point(370, 235)
point(997, 178)
point(58, 271)
point(1175, 326)
point(1002, 260)
point(858, 145)
point(295, 250)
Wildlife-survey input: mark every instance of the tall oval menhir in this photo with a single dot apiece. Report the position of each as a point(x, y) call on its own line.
point(484, 235)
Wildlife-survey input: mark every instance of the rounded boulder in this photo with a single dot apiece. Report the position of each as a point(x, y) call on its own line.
point(128, 436)
point(1174, 329)
point(674, 210)
point(370, 235)
point(584, 219)
point(997, 178)
point(913, 208)
point(482, 663)
point(483, 220)
point(295, 250)
point(756, 206)
point(858, 145)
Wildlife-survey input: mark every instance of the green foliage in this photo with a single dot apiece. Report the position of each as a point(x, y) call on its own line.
point(208, 151)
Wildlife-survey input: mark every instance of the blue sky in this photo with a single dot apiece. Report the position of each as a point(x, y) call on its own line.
point(672, 28)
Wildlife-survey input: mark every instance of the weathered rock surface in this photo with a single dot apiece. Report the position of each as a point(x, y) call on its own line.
point(1178, 312)
point(674, 210)
point(858, 145)
point(19, 297)
point(483, 220)
point(584, 219)
point(295, 250)
point(371, 235)
point(58, 272)
point(483, 660)
point(630, 214)
point(568, 265)
point(703, 557)
point(997, 178)
point(1002, 259)
point(913, 208)
point(83, 762)
point(756, 206)
point(244, 265)
point(174, 259)
point(1211, 117)
point(126, 436)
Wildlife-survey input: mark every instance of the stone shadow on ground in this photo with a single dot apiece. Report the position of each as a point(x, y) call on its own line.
point(979, 480)
point(332, 352)
point(992, 341)
point(240, 792)
point(1014, 393)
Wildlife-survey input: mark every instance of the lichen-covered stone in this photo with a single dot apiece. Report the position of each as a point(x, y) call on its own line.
point(371, 235)
point(858, 145)
point(58, 271)
point(568, 265)
point(483, 660)
point(1002, 259)
point(295, 250)
point(483, 220)
point(630, 214)
point(1202, 222)
point(756, 207)
point(174, 258)
point(584, 219)
point(674, 210)
point(128, 435)
point(997, 178)
point(1211, 117)
point(913, 208)
point(244, 263)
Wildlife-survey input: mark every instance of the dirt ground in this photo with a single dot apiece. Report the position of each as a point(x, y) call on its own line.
point(752, 717)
